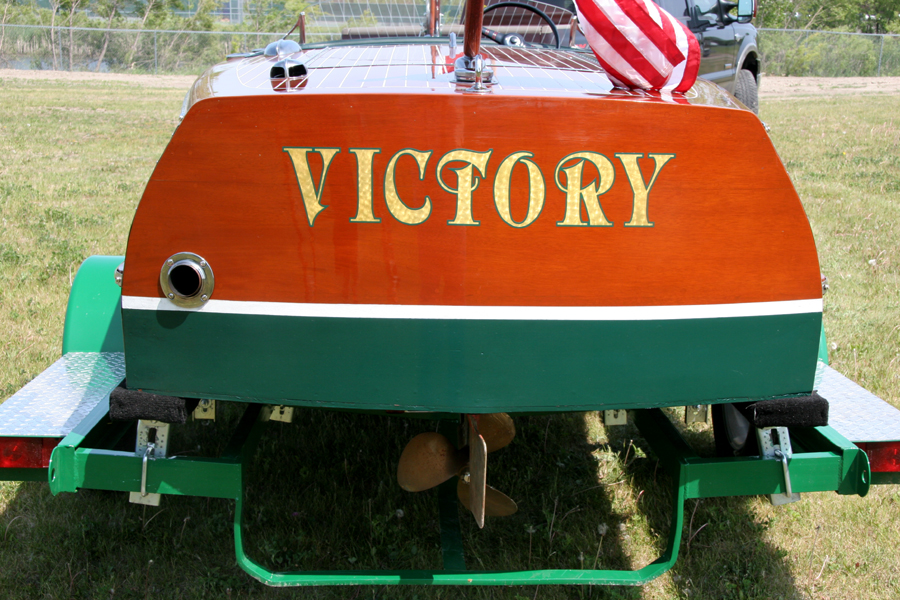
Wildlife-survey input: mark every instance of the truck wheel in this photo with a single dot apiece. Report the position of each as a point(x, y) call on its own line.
point(746, 90)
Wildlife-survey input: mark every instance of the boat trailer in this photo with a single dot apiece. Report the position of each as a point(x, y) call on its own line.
point(57, 429)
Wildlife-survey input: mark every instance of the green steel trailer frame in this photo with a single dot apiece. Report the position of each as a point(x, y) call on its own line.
point(82, 454)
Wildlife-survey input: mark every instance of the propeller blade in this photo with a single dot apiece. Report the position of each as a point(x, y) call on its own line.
point(496, 503)
point(497, 429)
point(428, 460)
point(477, 471)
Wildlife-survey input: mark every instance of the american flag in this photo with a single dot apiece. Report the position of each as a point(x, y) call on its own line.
point(639, 44)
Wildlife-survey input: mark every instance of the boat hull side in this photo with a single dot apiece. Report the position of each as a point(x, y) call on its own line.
point(472, 366)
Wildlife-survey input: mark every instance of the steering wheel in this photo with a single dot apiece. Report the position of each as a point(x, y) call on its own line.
point(515, 39)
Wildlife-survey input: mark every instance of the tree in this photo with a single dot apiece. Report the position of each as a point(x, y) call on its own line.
point(159, 10)
point(108, 9)
point(274, 16)
point(3, 22)
point(73, 6)
point(54, 7)
point(867, 16)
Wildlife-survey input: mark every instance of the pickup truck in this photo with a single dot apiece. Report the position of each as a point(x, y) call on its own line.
point(730, 55)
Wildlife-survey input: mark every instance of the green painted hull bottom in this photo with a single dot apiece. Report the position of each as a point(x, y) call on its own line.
point(470, 366)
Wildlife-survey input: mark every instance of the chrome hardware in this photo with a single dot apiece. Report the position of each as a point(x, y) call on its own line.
point(465, 70)
point(775, 444)
point(452, 44)
point(147, 453)
point(478, 67)
point(287, 67)
point(514, 39)
point(615, 417)
point(152, 432)
point(787, 472)
point(282, 48)
point(120, 273)
point(474, 71)
point(152, 440)
point(187, 280)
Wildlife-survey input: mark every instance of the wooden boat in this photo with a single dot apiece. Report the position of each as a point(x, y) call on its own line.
point(381, 239)
point(462, 234)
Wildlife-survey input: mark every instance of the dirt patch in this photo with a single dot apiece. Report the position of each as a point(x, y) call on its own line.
point(771, 88)
point(157, 81)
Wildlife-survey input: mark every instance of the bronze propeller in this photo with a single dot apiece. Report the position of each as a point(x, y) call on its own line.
point(430, 459)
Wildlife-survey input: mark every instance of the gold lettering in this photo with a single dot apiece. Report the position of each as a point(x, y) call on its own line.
point(590, 194)
point(401, 211)
point(312, 197)
point(466, 182)
point(536, 192)
point(364, 159)
point(636, 179)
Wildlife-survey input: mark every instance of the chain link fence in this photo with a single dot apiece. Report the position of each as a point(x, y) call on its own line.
point(828, 53)
point(122, 50)
point(783, 51)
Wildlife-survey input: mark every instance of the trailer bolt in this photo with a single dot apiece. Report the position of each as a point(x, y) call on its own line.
point(204, 297)
point(170, 262)
point(170, 295)
point(120, 274)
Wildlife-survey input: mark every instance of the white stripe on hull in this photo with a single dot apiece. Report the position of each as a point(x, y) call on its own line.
point(485, 313)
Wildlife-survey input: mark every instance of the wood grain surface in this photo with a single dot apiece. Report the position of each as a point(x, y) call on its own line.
point(727, 225)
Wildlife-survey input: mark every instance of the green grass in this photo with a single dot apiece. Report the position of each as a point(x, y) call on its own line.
point(73, 162)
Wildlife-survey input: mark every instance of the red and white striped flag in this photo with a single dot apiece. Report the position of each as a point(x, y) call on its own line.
point(639, 44)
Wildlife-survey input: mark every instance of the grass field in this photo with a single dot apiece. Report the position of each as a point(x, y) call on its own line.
point(73, 161)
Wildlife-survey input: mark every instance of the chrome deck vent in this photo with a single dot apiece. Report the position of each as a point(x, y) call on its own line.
point(287, 68)
point(282, 48)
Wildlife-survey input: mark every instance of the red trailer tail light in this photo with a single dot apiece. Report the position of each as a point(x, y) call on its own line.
point(884, 457)
point(26, 453)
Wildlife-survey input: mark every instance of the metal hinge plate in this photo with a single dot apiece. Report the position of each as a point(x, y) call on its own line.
point(775, 444)
point(152, 441)
point(615, 417)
